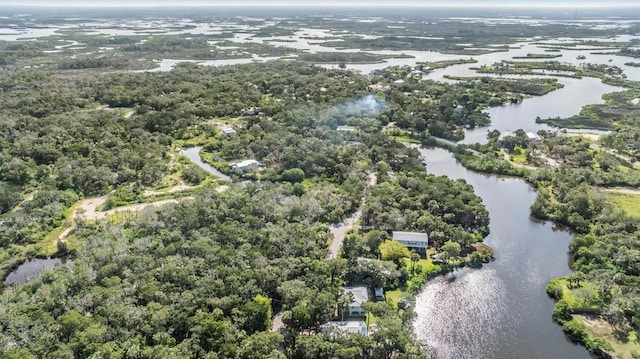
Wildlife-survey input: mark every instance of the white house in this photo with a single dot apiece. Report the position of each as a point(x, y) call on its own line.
point(412, 240)
point(245, 166)
point(334, 329)
point(228, 131)
point(360, 296)
point(345, 129)
point(533, 136)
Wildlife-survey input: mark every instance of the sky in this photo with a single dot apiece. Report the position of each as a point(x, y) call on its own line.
point(364, 3)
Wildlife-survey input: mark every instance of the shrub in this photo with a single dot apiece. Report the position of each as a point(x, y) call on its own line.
point(561, 311)
point(193, 174)
point(575, 330)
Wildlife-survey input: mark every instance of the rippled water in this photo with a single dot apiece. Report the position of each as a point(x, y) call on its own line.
point(501, 310)
point(440, 309)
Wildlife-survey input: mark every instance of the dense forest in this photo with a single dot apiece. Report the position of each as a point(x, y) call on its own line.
point(205, 277)
point(242, 268)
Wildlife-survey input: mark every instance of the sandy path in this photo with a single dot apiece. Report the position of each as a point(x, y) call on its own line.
point(178, 188)
point(622, 191)
point(339, 230)
point(95, 215)
point(88, 208)
point(590, 136)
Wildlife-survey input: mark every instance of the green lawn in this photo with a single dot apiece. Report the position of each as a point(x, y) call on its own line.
point(629, 203)
point(425, 263)
point(518, 155)
point(394, 295)
point(406, 139)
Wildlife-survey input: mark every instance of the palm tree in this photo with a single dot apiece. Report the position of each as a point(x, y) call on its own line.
point(415, 257)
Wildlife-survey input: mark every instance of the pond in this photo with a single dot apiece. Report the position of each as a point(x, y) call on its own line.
point(33, 269)
point(193, 153)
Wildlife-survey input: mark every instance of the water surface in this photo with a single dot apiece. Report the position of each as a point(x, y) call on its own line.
point(501, 310)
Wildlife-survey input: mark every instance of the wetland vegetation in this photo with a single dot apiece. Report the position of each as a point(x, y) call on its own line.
point(213, 273)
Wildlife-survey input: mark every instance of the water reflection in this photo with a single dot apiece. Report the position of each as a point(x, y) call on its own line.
point(447, 327)
point(501, 310)
point(33, 269)
point(193, 153)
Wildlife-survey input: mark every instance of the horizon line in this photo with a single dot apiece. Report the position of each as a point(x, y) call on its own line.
point(334, 5)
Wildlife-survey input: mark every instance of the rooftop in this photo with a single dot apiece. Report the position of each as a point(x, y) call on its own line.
point(245, 163)
point(355, 327)
point(412, 239)
point(346, 128)
point(360, 295)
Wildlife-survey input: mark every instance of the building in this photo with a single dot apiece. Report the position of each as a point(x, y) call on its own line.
point(253, 111)
point(245, 166)
point(412, 240)
point(228, 131)
point(332, 330)
point(379, 293)
point(360, 296)
point(532, 136)
point(345, 129)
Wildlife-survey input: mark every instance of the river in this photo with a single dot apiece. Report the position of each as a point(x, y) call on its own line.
point(564, 102)
point(501, 310)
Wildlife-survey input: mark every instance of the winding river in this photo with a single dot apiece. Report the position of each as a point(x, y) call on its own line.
point(501, 310)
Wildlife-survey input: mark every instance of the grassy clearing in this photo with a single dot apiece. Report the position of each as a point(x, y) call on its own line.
point(393, 296)
point(597, 327)
point(424, 265)
point(405, 139)
point(583, 296)
point(518, 155)
point(629, 203)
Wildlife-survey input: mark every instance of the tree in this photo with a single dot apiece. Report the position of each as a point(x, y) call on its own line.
point(262, 345)
point(293, 175)
point(9, 196)
point(337, 267)
point(193, 174)
point(562, 311)
point(18, 353)
point(258, 312)
point(415, 258)
point(394, 251)
point(451, 249)
point(344, 300)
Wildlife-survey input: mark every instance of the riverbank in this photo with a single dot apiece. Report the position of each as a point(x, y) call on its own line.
point(559, 188)
point(526, 251)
